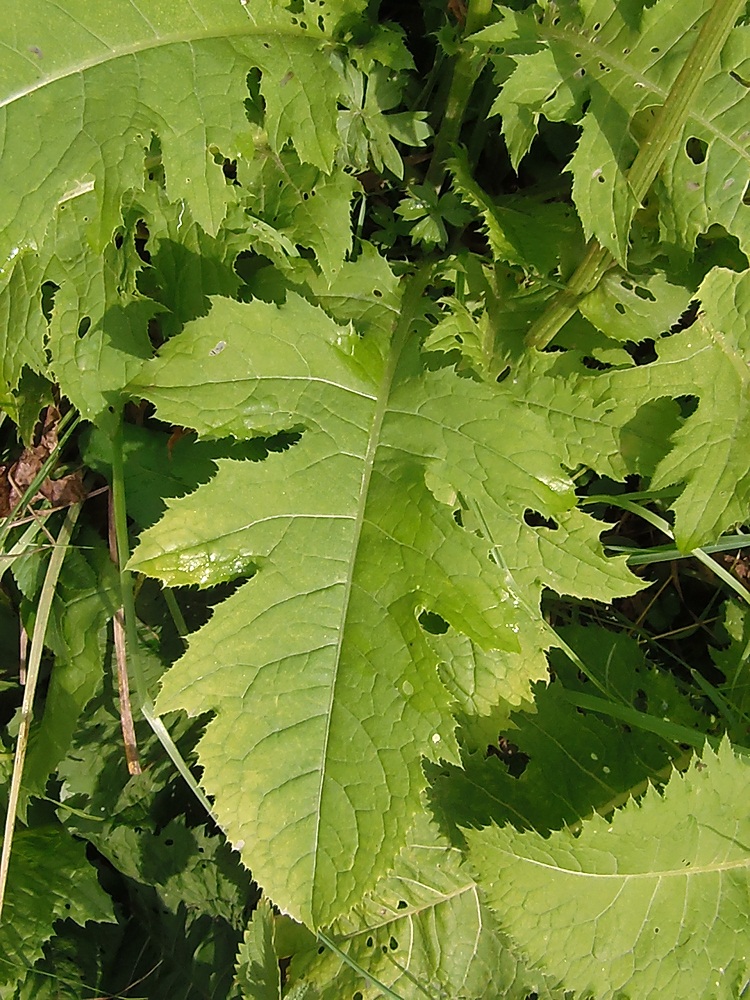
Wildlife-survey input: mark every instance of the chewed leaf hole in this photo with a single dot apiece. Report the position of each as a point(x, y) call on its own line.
point(393, 944)
point(503, 374)
point(536, 520)
point(48, 291)
point(595, 365)
point(84, 326)
point(433, 623)
point(402, 904)
point(696, 149)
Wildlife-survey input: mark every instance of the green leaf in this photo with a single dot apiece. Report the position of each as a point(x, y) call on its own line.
point(538, 236)
point(186, 263)
point(257, 969)
point(705, 455)
point(424, 931)
point(346, 534)
point(733, 662)
point(86, 598)
point(632, 308)
point(82, 88)
point(22, 326)
point(158, 465)
point(652, 902)
point(620, 67)
point(97, 337)
point(302, 205)
point(565, 763)
point(368, 132)
point(50, 879)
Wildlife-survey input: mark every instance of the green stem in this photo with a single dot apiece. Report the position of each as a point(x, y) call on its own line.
point(671, 731)
point(663, 526)
point(671, 117)
point(668, 553)
point(589, 273)
point(35, 658)
point(131, 634)
point(668, 124)
point(174, 610)
point(466, 69)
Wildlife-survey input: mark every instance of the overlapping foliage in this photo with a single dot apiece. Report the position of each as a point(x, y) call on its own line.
point(282, 257)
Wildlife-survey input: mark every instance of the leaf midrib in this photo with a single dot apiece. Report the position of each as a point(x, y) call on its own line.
point(410, 299)
point(707, 869)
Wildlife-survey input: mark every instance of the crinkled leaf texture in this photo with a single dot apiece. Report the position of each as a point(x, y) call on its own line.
point(653, 902)
point(618, 63)
point(46, 862)
point(323, 685)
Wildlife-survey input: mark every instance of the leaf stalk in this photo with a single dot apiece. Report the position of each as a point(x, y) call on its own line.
point(466, 69)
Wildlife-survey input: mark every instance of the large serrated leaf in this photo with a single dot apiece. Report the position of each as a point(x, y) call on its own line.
point(654, 902)
point(323, 684)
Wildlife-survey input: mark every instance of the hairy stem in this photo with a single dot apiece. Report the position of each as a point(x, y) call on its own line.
point(667, 126)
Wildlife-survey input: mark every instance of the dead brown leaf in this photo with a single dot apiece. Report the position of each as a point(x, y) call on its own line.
point(16, 479)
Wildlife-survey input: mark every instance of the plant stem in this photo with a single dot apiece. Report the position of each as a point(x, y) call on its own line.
point(131, 635)
point(667, 126)
point(121, 658)
point(466, 69)
point(35, 658)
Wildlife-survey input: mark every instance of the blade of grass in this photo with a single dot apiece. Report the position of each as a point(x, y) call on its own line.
point(671, 731)
point(37, 646)
point(668, 553)
point(722, 705)
point(664, 527)
point(174, 610)
point(357, 968)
